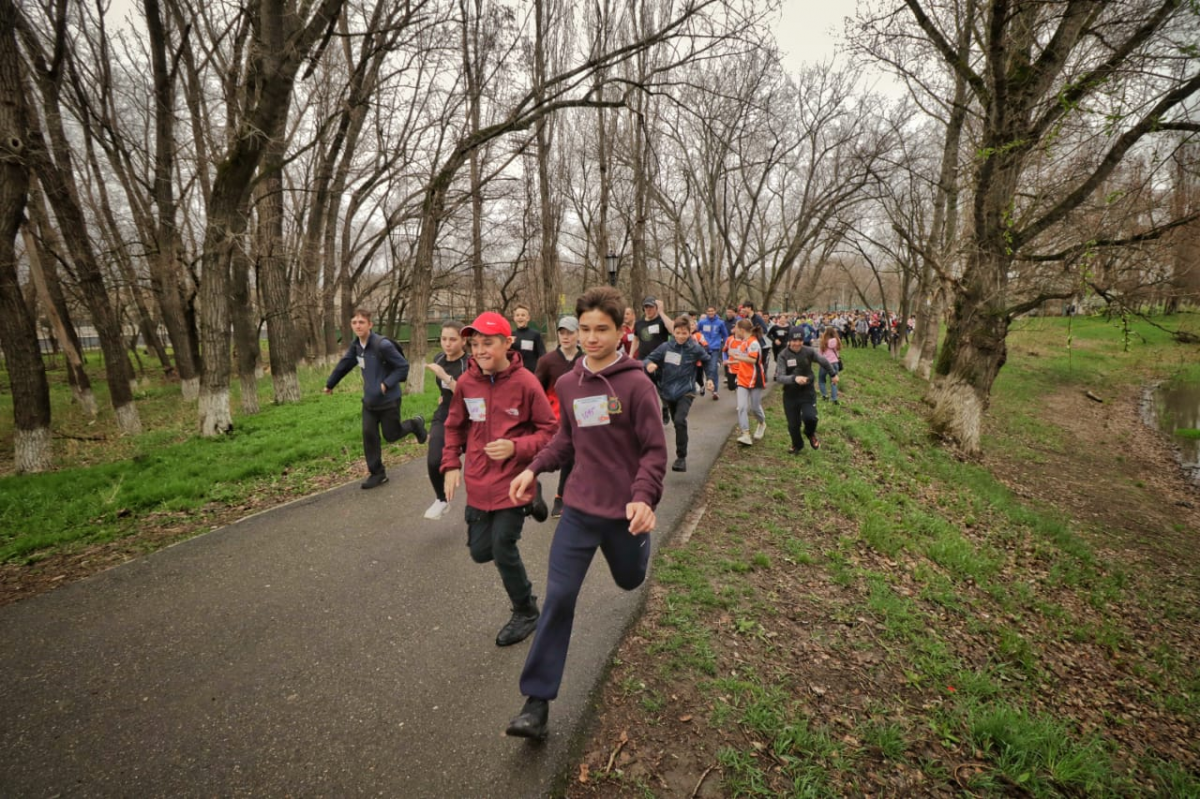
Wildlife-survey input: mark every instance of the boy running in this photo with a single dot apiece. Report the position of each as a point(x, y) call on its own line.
point(677, 361)
point(500, 415)
point(383, 370)
point(794, 372)
point(529, 341)
point(610, 430)
point(550, 367)
point(447, 367)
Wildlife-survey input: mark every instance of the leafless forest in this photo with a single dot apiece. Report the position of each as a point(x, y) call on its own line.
point(209, 176)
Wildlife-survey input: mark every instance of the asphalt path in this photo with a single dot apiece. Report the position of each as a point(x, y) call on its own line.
point(340, 645)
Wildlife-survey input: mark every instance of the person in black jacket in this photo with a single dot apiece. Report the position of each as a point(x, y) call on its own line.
point(675, 361)
point(527, 340)
point(793, 370)
point(383, 370)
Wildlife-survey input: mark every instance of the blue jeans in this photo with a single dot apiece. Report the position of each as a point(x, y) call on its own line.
point(832, 385)
point(576, 540)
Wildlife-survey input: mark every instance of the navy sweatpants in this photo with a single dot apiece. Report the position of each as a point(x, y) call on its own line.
point(576, 540)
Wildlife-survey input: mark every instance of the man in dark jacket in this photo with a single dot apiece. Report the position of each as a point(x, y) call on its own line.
point(793, 370)
point(677, 361)
point(383, 370)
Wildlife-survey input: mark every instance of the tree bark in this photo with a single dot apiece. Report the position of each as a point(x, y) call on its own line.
point(230, 191)
point(165, 277)
point(245, 329)
point(18, 329)
point(55, 173)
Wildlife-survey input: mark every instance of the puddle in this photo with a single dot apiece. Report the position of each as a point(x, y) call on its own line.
point(1173, 407)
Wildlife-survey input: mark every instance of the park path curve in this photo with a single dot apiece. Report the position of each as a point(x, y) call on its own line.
point(340, 645)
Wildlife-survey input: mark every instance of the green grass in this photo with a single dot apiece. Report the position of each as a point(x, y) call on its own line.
point(965, 591)
point(275, 453)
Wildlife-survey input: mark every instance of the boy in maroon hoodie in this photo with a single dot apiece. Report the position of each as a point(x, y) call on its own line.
point(612, 430)
point(501, 416)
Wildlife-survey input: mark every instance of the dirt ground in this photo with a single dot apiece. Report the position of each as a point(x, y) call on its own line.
point(1117, 480)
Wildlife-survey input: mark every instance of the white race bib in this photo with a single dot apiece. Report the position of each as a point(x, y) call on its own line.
point(476, 408)
point(591, 411)
point(673, 358)
point(652, 329)
point(526, 345)
point(791, 363)
point(362, 363)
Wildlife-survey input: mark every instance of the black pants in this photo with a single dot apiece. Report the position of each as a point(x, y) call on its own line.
point(387, 418)
point(563, 474)
point(492, 535)
point(679, 414)
point(433, 458)
point(800, 408)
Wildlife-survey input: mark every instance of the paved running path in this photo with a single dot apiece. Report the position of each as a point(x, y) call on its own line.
point(337, 646)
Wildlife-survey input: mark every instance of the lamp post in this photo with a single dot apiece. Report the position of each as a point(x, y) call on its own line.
point(611, 260)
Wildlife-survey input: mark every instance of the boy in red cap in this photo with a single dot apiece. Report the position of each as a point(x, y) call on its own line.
point(501, 417)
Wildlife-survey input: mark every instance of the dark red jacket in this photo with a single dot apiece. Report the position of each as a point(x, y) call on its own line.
point(508, 404)
point(616, 463)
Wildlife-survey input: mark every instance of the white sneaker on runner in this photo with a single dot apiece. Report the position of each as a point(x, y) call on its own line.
point(760, 431)
point(744, 438)
point(437, 510)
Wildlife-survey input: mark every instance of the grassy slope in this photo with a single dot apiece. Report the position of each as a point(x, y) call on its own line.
point(110, 487)
point(883, 617)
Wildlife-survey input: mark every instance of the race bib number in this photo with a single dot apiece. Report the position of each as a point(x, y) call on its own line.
point(362, 362)
point(652, 329)
point(445, 384)
point(591, 411)
point(526, 345)
point(791, 363)
point(476, 408)
point(673, 358)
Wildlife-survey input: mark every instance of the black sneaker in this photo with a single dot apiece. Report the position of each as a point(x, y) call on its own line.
point(532, 721)
point(537, 509)
point(375, 480)
point(680, 465)
point(556, 510)
point(521, 625)
point(418, 425)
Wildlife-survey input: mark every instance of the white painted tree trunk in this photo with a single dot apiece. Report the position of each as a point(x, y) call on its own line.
point(215, 416)
point(32, 450)
point(958, 413)
point(190, 389)
point(287, 387)
point(86, 399)
point(128, 420)
point(249, 395)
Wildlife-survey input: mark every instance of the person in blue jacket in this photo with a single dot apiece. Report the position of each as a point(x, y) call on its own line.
point(713, 328)
point(383, 368)
point(676, 363)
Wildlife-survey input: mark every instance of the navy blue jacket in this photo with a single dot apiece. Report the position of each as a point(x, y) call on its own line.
point(677, 380)
point(381, 363)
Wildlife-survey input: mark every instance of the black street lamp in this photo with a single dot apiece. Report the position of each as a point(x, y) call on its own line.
point(611, 261)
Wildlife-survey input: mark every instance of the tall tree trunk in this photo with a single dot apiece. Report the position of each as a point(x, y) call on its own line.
point(18, 330)
point(275, 74)
point(39, 250)
point(54, 174)
point(245, 328)
point(273, 282)
point(544, 136)
point(165, 277)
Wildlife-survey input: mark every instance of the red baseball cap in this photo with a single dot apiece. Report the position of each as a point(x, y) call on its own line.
point(489, 323)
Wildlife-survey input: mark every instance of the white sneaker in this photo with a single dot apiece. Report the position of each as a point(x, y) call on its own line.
point(437, 510)
point(744, 438)
point(760, 431)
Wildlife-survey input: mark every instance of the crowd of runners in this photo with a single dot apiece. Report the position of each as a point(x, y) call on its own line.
point(593, 407)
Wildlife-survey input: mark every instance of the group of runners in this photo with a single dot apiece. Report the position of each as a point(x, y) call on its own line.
point(594, 407)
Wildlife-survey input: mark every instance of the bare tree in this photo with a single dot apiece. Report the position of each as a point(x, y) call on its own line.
point(18, 332)
point(1040, 67)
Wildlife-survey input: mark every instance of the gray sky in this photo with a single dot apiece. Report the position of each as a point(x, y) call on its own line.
point(808, 31)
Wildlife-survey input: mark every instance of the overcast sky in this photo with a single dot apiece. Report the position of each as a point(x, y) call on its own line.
point(808, 32)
